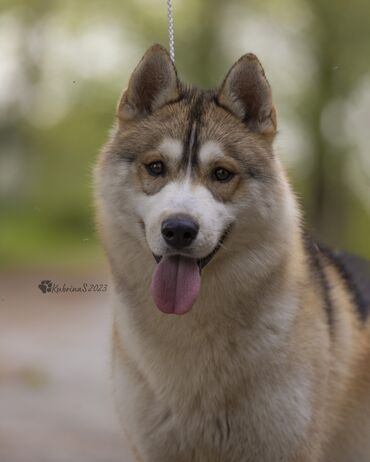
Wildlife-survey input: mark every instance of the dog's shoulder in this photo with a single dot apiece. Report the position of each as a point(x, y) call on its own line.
point(354, 273)
point(342, 278)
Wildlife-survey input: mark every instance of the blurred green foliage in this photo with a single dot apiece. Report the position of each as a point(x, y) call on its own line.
point(64, 64)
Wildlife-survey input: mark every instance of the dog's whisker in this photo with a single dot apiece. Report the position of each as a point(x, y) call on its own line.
point(224, 247)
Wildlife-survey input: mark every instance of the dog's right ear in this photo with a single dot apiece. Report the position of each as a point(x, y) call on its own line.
point(153, 84)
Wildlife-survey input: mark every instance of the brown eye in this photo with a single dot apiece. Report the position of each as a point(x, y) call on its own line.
point(221, 174)
point(155, 168)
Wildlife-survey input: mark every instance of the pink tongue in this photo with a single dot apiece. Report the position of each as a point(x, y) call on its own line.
point(175, 284)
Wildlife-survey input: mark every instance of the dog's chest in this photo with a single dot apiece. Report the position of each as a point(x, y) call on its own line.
point(209, 406)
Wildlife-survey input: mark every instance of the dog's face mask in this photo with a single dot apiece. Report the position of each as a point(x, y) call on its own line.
point(185, 170)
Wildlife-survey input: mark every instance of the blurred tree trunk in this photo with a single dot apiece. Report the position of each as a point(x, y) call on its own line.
point(16, 136)
point(327, 186)
point(341, 33)
point(199, 52)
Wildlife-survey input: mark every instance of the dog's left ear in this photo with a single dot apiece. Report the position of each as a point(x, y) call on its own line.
point(247, 94)
point(153, 84)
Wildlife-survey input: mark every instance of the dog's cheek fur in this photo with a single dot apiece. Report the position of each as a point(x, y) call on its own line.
point(265, 211)
point(115, 196)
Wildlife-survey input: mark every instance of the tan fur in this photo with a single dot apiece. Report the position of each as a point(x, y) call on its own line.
point(254, 372)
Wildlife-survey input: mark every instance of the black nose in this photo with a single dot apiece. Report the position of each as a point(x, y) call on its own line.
point(179, 232)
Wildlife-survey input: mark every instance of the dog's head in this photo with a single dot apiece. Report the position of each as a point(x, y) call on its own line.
point(186, 169)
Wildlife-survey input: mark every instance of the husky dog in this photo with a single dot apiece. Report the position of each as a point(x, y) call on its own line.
point(270, 358)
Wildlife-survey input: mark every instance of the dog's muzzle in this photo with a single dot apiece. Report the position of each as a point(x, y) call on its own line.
point(202, 262)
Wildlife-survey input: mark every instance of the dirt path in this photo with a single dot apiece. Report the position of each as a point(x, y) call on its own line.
point(55, 403)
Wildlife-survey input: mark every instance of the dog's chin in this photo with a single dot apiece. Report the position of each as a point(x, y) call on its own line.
point(177, 278)
point(200, 261)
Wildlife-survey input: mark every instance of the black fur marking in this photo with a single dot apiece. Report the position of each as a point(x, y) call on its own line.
point(228, 430)
point(191, 144)
point(126, 156)
point(219, 433)
point(355, 273)
point(317, 271)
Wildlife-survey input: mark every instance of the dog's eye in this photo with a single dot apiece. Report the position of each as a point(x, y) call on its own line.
point(222, 174)
point(155, 168)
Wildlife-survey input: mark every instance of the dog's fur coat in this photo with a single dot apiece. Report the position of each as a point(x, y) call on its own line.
point(272, 362)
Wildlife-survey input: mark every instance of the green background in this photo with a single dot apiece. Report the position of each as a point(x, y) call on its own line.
point(64, 63)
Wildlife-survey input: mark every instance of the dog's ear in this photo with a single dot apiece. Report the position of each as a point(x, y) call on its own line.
point(153, 84)
point(247, 94)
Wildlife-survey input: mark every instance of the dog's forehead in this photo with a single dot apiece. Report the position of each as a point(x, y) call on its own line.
point(195, 129)
point(171, 147)
point(210, 150)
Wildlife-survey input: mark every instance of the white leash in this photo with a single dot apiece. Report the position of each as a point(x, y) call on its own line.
point(171, 33)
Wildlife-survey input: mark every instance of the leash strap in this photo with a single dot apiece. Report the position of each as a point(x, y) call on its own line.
point(171, 33)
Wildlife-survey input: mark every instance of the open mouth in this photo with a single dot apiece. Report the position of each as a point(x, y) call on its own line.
point(176, 280)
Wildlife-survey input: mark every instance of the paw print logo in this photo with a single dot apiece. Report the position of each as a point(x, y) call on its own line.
point(45, 286)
